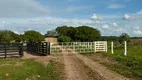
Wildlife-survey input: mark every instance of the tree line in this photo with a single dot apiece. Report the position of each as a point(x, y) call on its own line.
point(7, 36)
point(80, 33)
point(63, 34)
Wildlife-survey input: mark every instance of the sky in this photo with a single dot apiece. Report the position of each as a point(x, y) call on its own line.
point(111, 17)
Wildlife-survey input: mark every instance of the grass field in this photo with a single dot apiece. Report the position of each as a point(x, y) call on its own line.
point(19, 69)
point(129, 66)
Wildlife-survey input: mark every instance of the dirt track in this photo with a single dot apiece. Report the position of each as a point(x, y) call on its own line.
point(101, 70)
point(75, 69)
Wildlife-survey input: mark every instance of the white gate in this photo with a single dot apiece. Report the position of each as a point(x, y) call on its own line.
point(100, 46)
point(79, 47)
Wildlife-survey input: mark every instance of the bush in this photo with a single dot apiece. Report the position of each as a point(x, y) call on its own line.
point(64, 39)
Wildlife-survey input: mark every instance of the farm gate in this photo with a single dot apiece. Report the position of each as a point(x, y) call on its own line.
point(79, 47)
point(11, 50)
point(38, 48)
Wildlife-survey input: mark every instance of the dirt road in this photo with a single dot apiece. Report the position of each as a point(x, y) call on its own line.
point(73, 68)
point(79, 67)
point(101, 70)
point(75, 71)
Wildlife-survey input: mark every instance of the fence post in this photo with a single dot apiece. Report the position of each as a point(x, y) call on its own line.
point(94, 47)
point(106, 46)
point(49, 48)
point(125, 46)
point(21, 49)
point(112, 48)
point(5, 50)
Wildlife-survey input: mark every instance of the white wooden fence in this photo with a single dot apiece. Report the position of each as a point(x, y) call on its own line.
point(100, 46)
point(79, 47)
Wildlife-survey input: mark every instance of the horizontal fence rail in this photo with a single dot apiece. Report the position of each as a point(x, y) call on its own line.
point(79, 47)
point(11, 50)
point(100, 46)
point(38, 48)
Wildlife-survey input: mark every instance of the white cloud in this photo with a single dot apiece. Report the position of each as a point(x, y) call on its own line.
point(47, 22)
point(116, 6)
point(140, 12)
point(21, 9)
point(136, 28)
point(138, 32)
point(105, 26)
point(111, 16)
point(127, 17)
point(96, 18)
point(115, 24)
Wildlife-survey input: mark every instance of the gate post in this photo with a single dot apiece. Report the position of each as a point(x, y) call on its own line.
point(94, 47)
point(112, 48)
point(106, 46)
point(5, 50)
point(125, 50)
point(49, 50)
point(21, 49)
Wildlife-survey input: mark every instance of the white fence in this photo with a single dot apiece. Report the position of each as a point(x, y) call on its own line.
point(100, 46)
point(79, 47)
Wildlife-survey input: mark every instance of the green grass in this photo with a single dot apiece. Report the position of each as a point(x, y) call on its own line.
point(83, 49)
point(130, 65)
point(19, 69)
point(56, 50)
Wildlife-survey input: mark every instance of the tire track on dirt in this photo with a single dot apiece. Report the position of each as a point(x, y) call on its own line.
point(100, 69)
point(74, 69)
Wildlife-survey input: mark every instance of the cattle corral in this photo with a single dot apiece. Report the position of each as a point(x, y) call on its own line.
point(96, 51)
point(11, 50)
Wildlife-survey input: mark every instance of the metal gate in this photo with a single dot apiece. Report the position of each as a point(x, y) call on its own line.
point(70, 47)
point(11, 50)
point(79, 47)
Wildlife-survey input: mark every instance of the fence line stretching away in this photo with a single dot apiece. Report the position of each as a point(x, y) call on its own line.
point(11, 50)
point(79, 47)
point(45, 48)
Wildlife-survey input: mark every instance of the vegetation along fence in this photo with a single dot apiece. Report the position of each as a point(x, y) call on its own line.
point(38, 48)
point(11, 50)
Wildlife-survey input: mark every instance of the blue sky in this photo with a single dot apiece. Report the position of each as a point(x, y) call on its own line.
point(111, 17)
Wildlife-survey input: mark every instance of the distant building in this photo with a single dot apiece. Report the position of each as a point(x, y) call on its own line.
point(52, 40)
point(51, 37)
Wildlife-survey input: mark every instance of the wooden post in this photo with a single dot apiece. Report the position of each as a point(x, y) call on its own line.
point(112, 47)
point(94, 47)
point(5, 50)
point(125, 46)
point(49, 50)
point(106, 46)
point(21, 49)
point(74, 46)
point(46, 48)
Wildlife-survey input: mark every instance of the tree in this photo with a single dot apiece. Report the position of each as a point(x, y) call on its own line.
point(52, 33)
point(63, 30)
point(81, 33)
point(5, 36)
point(64, 39)
point(33, 36)
point(86, 33)
point(124, 37)
point(8, 36)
